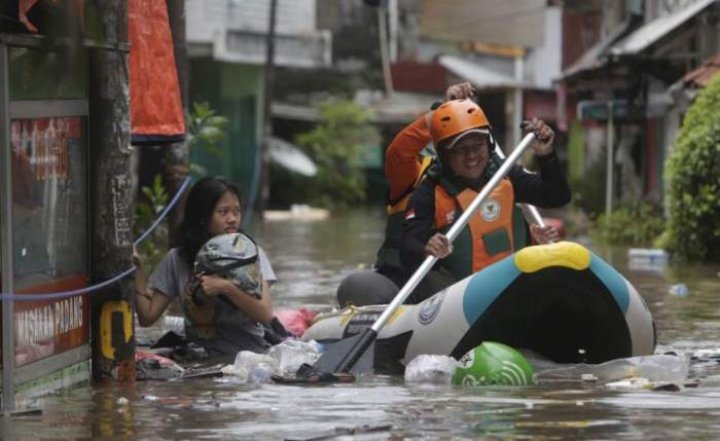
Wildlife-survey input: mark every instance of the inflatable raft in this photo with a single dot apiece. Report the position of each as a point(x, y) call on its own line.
point(559, 300)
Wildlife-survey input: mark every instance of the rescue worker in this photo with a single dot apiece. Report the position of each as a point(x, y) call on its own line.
point(407, 158)
point(467, 160)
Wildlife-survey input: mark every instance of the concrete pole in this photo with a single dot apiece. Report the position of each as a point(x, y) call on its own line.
point(267, 110)
point(384, 57)
point(177, 155)
point(610, 160)
point(392, 6)
point(111, 198)
point(517, 102)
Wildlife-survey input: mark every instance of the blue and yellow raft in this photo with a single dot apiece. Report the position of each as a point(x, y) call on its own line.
point(559, 300)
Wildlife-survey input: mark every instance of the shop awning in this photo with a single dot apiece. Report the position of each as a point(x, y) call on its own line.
point(481, 77)
point(653, 31)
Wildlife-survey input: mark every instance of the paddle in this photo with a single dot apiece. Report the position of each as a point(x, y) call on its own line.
point(340, 358)
point(531, 208)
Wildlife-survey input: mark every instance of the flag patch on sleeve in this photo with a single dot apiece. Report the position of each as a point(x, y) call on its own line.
point(410, 214)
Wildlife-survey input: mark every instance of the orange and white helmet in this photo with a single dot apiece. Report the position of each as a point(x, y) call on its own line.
point(455, 117)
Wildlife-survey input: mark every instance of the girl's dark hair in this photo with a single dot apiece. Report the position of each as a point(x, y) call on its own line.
point(199, 208)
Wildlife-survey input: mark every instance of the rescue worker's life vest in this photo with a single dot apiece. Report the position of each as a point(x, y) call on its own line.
point(388, 256)
point(495, 231)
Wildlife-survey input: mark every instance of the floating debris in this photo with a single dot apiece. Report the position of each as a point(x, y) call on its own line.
point(680, 290)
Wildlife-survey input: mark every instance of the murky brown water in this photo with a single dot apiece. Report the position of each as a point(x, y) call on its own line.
point(310, 259)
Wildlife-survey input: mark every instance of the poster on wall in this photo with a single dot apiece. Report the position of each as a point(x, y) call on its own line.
point(50, 229)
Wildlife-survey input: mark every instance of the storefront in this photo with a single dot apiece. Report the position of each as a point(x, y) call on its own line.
point(44, 198)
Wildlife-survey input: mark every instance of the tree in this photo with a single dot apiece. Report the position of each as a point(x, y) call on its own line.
point(336, 146)
point(693, 173)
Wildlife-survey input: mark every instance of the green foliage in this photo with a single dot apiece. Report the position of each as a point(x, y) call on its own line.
point(638, 225)
point(336, 146)
point(206, 129)
point(693, 173)
point(589, 189)
point(147, 208)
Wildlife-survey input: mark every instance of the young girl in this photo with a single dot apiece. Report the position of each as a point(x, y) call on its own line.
point(212, 208)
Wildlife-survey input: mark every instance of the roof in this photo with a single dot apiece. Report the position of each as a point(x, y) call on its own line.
point(480, 76)
point(654, 30)
point(701, 76)
point(595, 56)
point(515, 22)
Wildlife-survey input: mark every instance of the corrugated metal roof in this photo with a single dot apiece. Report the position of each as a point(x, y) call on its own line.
point(651, 32)
point(481, 77)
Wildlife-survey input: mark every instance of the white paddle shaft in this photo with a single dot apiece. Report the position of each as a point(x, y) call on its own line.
point(531, 208)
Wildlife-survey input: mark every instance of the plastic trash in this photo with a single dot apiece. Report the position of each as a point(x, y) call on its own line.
point(680, 290)
point(647, 259)
point(250, 367)
point(290, 354)
point(261, 373)
point(174, 323)
point(668, 368)
point(435, 369)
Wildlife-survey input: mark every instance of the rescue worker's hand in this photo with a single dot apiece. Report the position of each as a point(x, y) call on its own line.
point(459, 91)
point(544, 135)
point(544, 235)
point(438, 246)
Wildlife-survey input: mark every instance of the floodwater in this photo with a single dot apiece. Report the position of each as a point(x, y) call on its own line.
point(310, 258)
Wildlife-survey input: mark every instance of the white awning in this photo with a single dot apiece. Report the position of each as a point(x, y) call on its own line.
point(653, 31)
point(481, 77)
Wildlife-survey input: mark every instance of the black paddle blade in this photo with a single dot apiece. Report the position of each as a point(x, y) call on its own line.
point(340, 361)
point(347, 355)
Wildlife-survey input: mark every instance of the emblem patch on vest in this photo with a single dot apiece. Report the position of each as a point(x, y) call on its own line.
point(490, 210)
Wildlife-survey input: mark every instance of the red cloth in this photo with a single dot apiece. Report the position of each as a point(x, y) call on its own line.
point(296, 320)
point(156, 112)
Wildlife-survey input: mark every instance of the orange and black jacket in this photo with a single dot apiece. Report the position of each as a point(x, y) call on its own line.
point(482, 245)
point(404, 168)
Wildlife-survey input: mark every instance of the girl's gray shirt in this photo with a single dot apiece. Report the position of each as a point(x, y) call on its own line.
point(170, 278)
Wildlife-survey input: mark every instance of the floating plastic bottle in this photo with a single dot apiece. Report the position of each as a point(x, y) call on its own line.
point(655, 368)
point(680, 290)
point(435, 369)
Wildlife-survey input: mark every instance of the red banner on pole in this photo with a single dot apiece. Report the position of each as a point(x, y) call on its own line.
point(156, 113)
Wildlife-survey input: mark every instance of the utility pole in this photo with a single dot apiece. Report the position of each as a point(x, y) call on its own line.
point(177, 155)
point(111, 198)
point(384, 55)
point(267, 109)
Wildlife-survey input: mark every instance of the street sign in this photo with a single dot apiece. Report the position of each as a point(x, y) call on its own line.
point(597, 110)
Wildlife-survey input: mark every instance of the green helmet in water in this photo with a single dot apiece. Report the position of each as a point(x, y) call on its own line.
point(493, 364)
